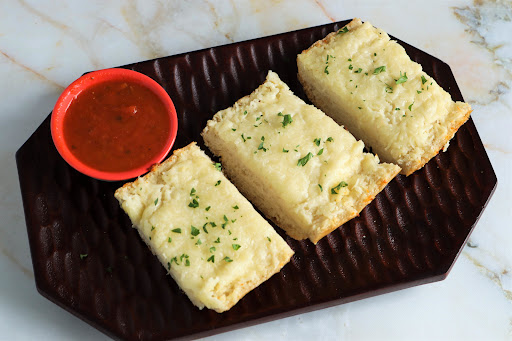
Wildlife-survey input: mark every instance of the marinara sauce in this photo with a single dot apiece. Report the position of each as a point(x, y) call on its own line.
point(116, 126)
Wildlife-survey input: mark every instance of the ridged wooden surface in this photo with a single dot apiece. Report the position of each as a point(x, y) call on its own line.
point(410, 234)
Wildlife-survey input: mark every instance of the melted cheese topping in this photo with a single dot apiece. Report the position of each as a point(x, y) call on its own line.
point(273, 133)
point(207, 235)
point(368, 82)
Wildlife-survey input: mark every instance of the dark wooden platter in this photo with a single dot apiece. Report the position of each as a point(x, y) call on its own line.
point(410, 234)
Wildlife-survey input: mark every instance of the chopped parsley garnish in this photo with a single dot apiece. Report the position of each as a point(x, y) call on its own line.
point(193, 203)
point(208, 208)
point(152, 228)
point(343, 30)
point(199, 242)
point(227, 259)
point(358, 70)
point(359, 108)
point(326, 71)
point(168, 265)
point(269, 240)
point(375, 54)
point(156, 201)
point(303, 161)
point(335, 190)
point(212, 249)
point(418, 91)
point(330, 139)
point(192, 191)
point(187, 262)
point(211, 259)
point(194, 231)
point(287, 119)
point(217, 241)
point(410, 106)
point(285, 150)
point(423, 79)
point(236, 207)
point(317, 141)
point(178, 230)
point(350, 67)
point(261, 147)
point(218, 166)
point(243, 138)
point(245, 112)
point(169, 240)
point(212, 224)
point(350, 59)
point(397, 108)
point(320, 152)
point(235, 246)
point(217, 183)
point(379, 70)
point(233, 129)
point(321, 189)
point(403, 78)
point(83, 255)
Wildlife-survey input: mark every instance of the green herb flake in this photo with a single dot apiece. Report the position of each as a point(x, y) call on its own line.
point(156, 201)
point(418, 91)
point(245, 112)
point(199, 242)
point(358, 70)
point(335, 190)
point(194, 231)
point(403, 78)
point(178, 230)
point(211, 259)
point(227, 259)
point(360, 108)
point(350, 59)
point(321, 189)
point(233, 129)
point(192, 191)
point(236, 207)
point(320, 152)
point(217, 183)
point(269, 240)
point(379, 70)
point(193, 203)
point(343, 30)
point(187, 262)
point(375, 54)
point(217, 241)
point(303, 161)
point(208, 208)
point(213, 224)
point(326, 70)
point(287, 119)
point(235, 246)
point(168, 265)
point(350, 67)
point(285, 150)
point(243, 138)
point(423, 79)
point(152, 228)
point(329, 139)
point(218, 166)
point(169, 240)
point(410, 106)
point(83, 255)
point(317, 141)
point(397, 108)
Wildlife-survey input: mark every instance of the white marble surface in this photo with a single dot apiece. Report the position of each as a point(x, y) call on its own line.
point(44, 45)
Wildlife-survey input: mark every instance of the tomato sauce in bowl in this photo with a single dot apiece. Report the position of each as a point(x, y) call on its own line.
point(114, 124)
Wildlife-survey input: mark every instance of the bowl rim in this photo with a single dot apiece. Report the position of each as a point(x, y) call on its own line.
point(97, 77)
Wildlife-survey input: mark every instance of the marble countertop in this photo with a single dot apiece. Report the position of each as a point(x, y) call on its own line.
point(45, 45)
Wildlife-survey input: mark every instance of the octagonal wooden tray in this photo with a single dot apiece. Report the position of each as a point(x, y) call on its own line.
point(410, 234)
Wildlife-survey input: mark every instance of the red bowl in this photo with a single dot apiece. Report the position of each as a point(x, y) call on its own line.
point(94, 78)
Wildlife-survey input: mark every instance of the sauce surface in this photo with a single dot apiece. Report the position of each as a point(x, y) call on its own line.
point(116, 126)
